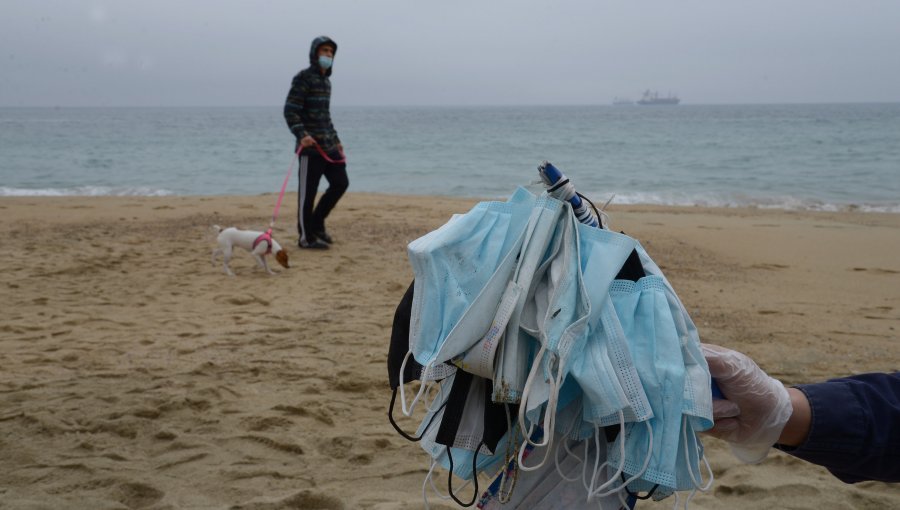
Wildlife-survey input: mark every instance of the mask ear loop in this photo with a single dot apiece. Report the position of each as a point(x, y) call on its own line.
point(589, 487)
point(690, 497)
point(474, 477)
point(565, 444)
point(400, 431)
point(407, 410)
point(677, 501)
point(698, 485)
point(636, 476)
point(429, 479)
point(549, 413)
point(622, 500)
point(591, 491)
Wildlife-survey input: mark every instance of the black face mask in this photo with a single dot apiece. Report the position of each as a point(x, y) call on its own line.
point(472, 421)
point(494, 417)
point(632, 268)
point(400, 343)
point(397, 353)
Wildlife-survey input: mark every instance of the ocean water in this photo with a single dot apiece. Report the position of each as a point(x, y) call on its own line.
point(822, 157)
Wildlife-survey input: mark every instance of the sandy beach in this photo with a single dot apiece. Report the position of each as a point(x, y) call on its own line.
point(134, 374)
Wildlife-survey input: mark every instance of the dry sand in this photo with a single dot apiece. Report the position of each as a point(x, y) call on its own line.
point(134, 374)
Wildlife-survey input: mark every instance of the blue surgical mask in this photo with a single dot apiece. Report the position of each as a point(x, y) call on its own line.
point(643, 310)
point(325, 62)
point(465, 262)
point(602, 254)
point(512, 363)
point(452, 265)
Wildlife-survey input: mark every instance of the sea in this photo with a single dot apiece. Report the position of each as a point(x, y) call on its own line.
point(830, 157)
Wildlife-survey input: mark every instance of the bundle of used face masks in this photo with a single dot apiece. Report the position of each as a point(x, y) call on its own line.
point(553, 353)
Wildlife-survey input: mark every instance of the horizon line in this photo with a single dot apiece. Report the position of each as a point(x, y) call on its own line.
point(454, 105)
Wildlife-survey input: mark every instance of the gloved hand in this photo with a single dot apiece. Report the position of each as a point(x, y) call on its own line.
point(757, 406)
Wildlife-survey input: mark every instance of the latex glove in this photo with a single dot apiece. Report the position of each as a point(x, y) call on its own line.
point(757, 406)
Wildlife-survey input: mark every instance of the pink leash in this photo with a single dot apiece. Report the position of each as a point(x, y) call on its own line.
point(267, 235)
point(326, 158)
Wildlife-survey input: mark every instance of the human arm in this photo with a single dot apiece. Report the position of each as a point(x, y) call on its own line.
point(851, 425)
point(854, 427)
point(293, 110)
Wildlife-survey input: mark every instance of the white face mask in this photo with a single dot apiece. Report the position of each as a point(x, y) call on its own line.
point(325, 62)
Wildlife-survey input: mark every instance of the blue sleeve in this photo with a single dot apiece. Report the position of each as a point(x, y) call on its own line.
point(855, 429)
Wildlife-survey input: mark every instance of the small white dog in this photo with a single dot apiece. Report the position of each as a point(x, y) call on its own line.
point(257, 243)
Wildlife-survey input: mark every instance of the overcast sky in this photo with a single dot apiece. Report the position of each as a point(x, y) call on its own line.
point(461, 52)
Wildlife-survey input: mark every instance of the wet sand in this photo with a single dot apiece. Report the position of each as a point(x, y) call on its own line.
point(135, 374)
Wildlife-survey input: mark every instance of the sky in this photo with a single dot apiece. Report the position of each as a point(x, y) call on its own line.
point(464, 52)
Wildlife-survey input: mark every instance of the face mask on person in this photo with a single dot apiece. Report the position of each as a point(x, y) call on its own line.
point(325, 62)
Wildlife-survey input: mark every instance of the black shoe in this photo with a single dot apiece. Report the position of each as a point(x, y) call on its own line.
point(314, 245)
point(325, 237)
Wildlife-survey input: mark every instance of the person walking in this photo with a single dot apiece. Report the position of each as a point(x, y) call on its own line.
point(308, 116)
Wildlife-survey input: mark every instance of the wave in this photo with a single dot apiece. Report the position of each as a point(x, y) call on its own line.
point(789, 203)
point(696, 199)
point(85, 191)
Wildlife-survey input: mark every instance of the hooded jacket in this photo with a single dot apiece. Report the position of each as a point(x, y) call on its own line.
point(307, 108)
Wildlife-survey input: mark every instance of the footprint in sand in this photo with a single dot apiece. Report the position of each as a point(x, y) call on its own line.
point(137, 495)
point(274, 445)
point(179, 462)
point(769, 266)
point(740, 490)
point(305, 499)
point(262, 424)
point(308, 410)
point(339, 447)
point(875, 270)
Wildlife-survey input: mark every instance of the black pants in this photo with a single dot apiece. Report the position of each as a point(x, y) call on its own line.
point(313, 166)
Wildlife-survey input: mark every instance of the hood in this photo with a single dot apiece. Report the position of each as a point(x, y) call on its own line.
point(314, 49)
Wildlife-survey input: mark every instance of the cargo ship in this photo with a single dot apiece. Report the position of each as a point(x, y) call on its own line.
point(653, 98)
